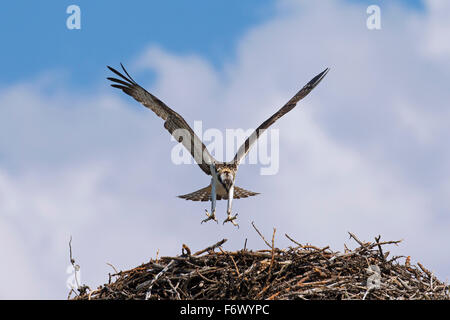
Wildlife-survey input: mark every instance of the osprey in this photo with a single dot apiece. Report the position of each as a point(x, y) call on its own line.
point(223, 174)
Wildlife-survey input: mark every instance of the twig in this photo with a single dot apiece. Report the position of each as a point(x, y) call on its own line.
point(234, 262)
point(211, 248)
point(75, 266)
point(149, 290)
point(428, 273)
point(356, 239)
point(298, 244)
point(273, 255)
point(262, 237)
point(377, 239)
point(115, 270)
point(185, 248)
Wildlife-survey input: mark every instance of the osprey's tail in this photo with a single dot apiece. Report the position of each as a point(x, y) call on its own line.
point(205, 194)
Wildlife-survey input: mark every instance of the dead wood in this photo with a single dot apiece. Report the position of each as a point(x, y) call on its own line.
point(300, 272)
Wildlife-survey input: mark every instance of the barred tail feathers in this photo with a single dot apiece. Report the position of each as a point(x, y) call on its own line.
point(204, 194)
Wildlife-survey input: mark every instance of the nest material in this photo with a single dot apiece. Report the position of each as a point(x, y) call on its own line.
point(298, 272)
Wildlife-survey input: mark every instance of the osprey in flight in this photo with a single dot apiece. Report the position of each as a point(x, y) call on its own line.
point(223, 174)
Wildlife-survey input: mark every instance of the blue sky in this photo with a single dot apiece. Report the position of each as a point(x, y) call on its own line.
point(115, 31)
point(365, 152)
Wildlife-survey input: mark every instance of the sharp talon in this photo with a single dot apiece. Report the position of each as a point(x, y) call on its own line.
point(211, 216)
point(231, 219)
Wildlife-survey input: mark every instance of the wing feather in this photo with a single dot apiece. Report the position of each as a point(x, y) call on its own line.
point(174, 123)
point(245, 147)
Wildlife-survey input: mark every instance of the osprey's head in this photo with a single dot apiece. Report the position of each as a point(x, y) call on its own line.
point(226, 176)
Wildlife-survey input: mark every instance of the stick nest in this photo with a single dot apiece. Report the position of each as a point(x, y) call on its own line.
point(298, 272)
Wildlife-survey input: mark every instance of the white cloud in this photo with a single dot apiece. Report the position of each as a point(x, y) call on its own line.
point(438, 29)
point(18, 275)
point(188, 81)
point(364, 152)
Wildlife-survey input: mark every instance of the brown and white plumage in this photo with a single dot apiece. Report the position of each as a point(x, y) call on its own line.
point(173, 121)
point(245, 147)
point(204, 194)
point(223, 174)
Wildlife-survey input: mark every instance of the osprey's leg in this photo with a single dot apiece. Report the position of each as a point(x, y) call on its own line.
point(212, 215)
point(231, 218)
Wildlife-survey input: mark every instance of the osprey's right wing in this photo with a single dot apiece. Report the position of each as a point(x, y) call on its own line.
point(174, 123)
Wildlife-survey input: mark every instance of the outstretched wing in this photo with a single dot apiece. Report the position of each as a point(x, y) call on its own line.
point(245, 147)
point(174, 123)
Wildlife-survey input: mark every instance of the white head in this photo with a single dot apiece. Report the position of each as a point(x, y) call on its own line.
point(226, 177)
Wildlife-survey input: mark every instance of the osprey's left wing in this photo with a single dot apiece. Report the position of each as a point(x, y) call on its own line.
point(174, 123)
point(245, 147)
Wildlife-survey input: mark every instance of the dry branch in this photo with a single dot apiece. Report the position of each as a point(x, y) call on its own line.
point(303, 272)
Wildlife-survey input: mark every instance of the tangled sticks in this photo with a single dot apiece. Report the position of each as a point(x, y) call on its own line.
point(299, 272)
